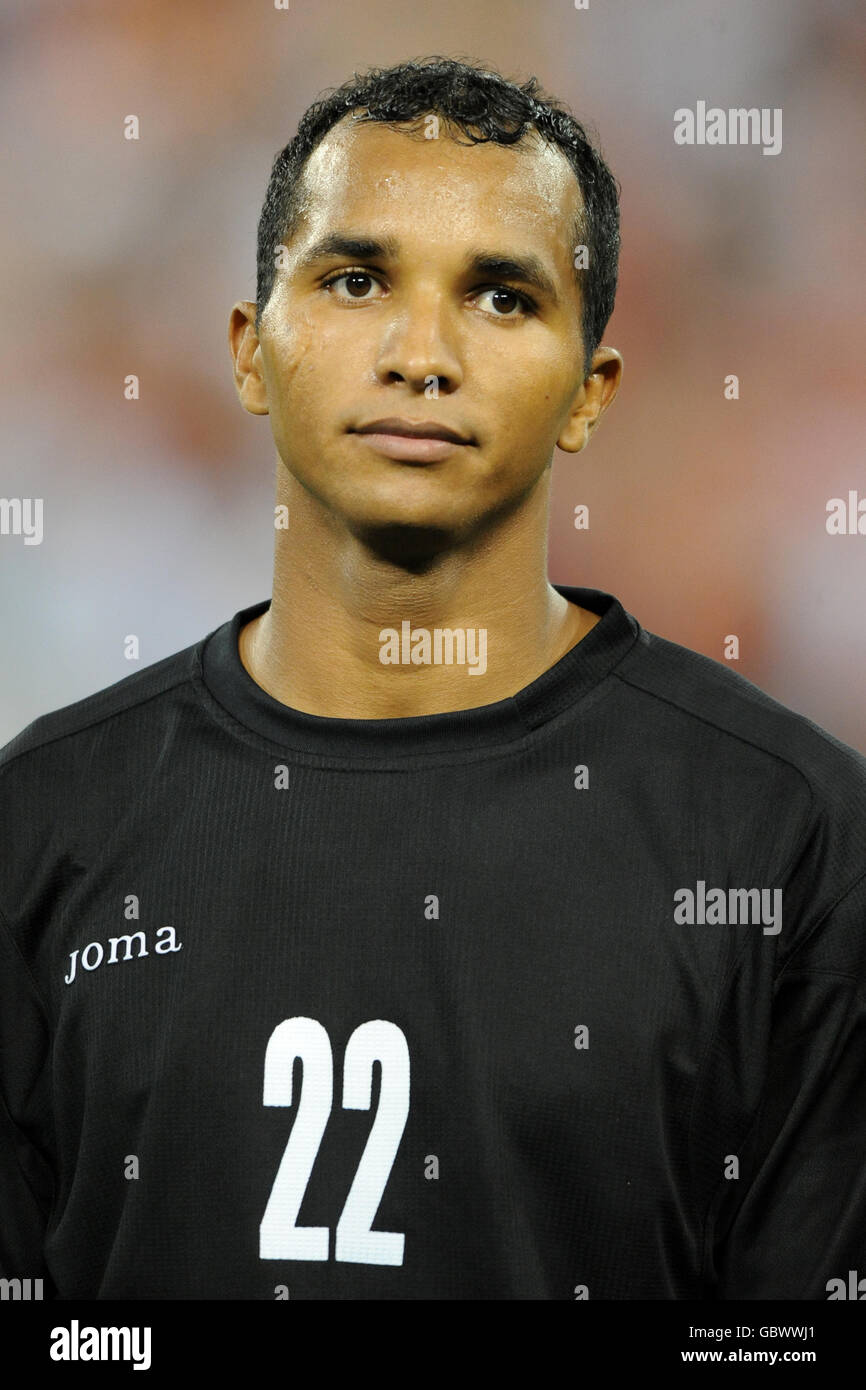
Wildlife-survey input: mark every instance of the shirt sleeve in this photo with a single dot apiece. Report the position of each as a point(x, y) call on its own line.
point(794, 1225)
point(26, 1173)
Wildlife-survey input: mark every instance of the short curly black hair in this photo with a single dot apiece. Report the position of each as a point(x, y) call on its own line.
point(482, 105)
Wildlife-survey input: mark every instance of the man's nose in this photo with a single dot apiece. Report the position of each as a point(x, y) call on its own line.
point(420, 344)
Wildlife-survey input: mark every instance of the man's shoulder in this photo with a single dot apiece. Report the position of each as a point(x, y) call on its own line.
point(762, 773)
point(136, 700)
point(719, 708)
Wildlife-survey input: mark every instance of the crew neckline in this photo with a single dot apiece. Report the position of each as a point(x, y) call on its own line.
point(576, 673)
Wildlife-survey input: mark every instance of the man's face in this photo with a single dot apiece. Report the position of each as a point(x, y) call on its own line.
point(339, 351)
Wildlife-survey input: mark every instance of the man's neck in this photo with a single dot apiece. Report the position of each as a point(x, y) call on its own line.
point(351, 636)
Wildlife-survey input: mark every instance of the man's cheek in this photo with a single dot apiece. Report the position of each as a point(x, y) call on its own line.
point(291, 356)
point(309, 372)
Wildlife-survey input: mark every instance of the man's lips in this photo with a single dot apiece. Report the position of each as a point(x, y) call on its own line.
point(412, 441)
point(413, 429)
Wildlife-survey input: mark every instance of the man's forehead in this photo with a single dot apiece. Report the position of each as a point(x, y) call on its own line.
point(360, 162)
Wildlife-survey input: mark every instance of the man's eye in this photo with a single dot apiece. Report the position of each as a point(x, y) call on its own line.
point(352, 276)
point(512, 297)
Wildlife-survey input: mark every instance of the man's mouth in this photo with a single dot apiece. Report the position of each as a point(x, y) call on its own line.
point(412, 441)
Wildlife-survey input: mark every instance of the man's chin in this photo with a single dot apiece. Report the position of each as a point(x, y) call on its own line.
point(412, 545)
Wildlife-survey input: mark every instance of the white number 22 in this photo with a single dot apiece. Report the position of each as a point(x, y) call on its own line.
point(280, 1238)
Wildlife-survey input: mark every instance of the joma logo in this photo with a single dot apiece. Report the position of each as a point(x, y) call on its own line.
point(93, 955)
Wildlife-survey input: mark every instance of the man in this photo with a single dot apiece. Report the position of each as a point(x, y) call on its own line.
point(428, 930)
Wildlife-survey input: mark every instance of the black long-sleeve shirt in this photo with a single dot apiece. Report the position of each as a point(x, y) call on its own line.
point(558, 997)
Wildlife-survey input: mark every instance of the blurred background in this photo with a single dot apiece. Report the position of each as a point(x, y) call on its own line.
point(707, 515)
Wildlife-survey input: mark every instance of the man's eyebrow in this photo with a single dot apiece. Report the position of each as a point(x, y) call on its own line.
point(355, 248)
point(529, 269)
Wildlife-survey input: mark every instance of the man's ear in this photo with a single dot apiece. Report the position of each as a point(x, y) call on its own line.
point(592, 400)
point(247, 358)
